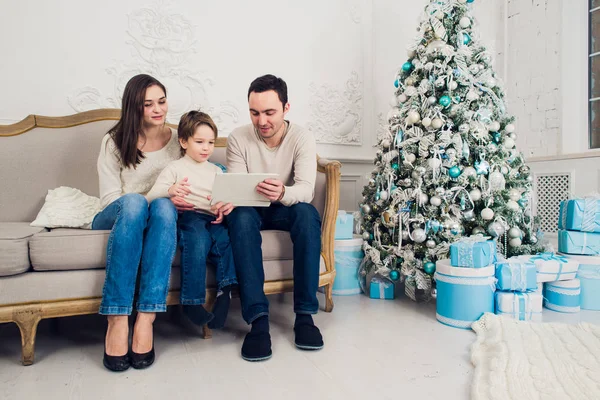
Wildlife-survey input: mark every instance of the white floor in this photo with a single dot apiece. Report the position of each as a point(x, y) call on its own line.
point(374, 349)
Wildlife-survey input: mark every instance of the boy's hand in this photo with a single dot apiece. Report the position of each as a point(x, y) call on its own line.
point(220, 210)
point(180, 189)
point(272, 189)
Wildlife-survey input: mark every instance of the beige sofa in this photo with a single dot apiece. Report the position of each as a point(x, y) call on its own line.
point(60, 272)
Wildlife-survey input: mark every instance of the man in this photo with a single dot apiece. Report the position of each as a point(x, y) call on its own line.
point(272, 144)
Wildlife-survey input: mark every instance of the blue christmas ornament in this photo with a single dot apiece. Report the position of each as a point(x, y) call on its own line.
point(377, 196)
point(522, 202)
point(396, 83)
point(407, 66)
point(456, 99)
point(496, 137)
point(395, 166)
point(429, 268)
point(454, 172)
point(457, 72)
point(466, 38)
point(482, 167)
point(394, 275)
point(433, 225)
point(399, 136)
point(470, 1)
point(445, 101)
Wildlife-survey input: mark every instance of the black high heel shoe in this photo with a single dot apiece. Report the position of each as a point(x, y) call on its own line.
point(116, 363)
point(144, 360)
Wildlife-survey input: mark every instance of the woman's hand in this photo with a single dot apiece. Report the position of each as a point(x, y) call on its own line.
point(180, 189)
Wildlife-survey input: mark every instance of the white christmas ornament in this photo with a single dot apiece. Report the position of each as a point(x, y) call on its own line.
point(383, 195)
point(494, 126)
point(475, 194)
point(472, 96)
point(514, 233)
point(512, 205)
point(508, 143)
point(437, 123)
point(436, 201)
point(411, 53)
point(419, 235)
point(410, 157)
point(469, 171)
point(487, 214)
point(514, 194)
point(465, 22)
point(385, 143)
point(424, 198)
point(453, 85)
point(402, 98)
point(434, 163)
point(510, 128)
point(409, 81)
point(432, 100)
point(426, 122)
point(515, 242)
point(413, 117)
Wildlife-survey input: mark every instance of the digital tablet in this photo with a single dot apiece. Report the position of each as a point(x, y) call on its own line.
point(239, 189)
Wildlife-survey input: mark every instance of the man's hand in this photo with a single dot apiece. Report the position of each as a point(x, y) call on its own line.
point(182, 205)
point(272, 189)
point(220, 210)
point(180, 189)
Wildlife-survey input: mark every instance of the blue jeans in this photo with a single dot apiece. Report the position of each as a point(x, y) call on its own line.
point(139, 232)
point(200, 241)
point(304, 224)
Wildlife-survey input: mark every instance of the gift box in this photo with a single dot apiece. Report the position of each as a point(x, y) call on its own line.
point(473, 252)
point(580, 215)
point(381, 288)
point(589, 279)
point(522, 306)
point(516, 274)
point(563, 296)
point(552, 267)
point(582, 243)
point(344, 225)
point(348, 256)
point(463, 294)
point(418, 291)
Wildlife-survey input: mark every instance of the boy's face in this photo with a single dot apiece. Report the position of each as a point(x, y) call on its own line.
point(200, 146)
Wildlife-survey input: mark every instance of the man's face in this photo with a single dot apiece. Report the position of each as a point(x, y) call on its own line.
point(267, 113)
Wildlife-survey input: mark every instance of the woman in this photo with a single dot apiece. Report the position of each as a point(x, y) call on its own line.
point(143, 235)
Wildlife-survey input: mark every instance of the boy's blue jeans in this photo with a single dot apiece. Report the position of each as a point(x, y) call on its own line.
point(200, 241)
point(143, 236)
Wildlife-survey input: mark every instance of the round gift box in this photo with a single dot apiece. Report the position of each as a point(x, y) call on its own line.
point(463, 294)
point(348, 256)
point(563, 296)
point(589, 277)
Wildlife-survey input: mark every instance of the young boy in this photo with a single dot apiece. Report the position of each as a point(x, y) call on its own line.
point(201, 235)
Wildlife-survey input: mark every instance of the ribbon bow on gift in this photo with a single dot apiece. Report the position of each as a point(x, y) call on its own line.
point(471, 240)
point(343, 216)
point(549, 256)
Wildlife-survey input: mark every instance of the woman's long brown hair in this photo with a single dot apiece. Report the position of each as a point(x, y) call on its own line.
point(127, 131)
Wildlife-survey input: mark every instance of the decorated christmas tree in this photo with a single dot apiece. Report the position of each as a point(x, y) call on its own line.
point(447, 166)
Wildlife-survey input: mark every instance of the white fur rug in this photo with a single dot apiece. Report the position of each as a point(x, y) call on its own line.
point(525, 360)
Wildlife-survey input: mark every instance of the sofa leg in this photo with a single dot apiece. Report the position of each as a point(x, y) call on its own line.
point(27, 320)
point(328, 297)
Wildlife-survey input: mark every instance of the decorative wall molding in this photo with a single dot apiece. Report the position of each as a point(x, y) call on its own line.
point(162, 43)
point(337, 114)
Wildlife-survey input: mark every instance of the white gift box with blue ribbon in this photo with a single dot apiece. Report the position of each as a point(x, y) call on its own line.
point(463, 294)
point(563, 296)
point(381, 288)
point(516, 274)
point(589, 278)
point(580, 215)
point(552, 267)
point(348, 256)
point(582, 243)
point(473, 252)
point(522, 306)
point(344, 225)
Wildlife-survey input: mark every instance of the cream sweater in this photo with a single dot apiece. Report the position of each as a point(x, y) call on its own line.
point(115, 180)
point(201, 177)
point(295, 160)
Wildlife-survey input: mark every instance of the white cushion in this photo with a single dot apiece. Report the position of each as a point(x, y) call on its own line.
point(67, 207)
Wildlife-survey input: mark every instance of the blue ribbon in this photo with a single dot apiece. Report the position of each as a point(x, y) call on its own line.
point(549, 256)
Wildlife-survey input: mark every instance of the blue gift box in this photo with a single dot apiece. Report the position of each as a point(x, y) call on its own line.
point(580, 215)
point(381, 288)
point(344, 225)
point(522, 306)
point(563, 296)
point(463, 294)
point(589, 279)
point(348, 256)
point(516, 274)
point(582, 243)
point(473, 252)
point(552, 267)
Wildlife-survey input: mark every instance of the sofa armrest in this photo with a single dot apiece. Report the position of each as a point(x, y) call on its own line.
point(331, 169)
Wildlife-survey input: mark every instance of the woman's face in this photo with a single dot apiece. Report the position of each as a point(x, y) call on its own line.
point(155, 107)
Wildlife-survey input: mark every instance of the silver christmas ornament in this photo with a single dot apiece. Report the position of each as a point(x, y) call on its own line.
point(430, 244)
point(495, 229)
point(366, 208)
point(366, 235)
point(405, 236)
point(419, 235)
point(478, 230)
point(469, 215)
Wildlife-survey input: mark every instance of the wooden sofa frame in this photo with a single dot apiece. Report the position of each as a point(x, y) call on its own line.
point(28, 315)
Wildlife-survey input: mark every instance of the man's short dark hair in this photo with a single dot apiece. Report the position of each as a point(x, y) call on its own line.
point(270, 82)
